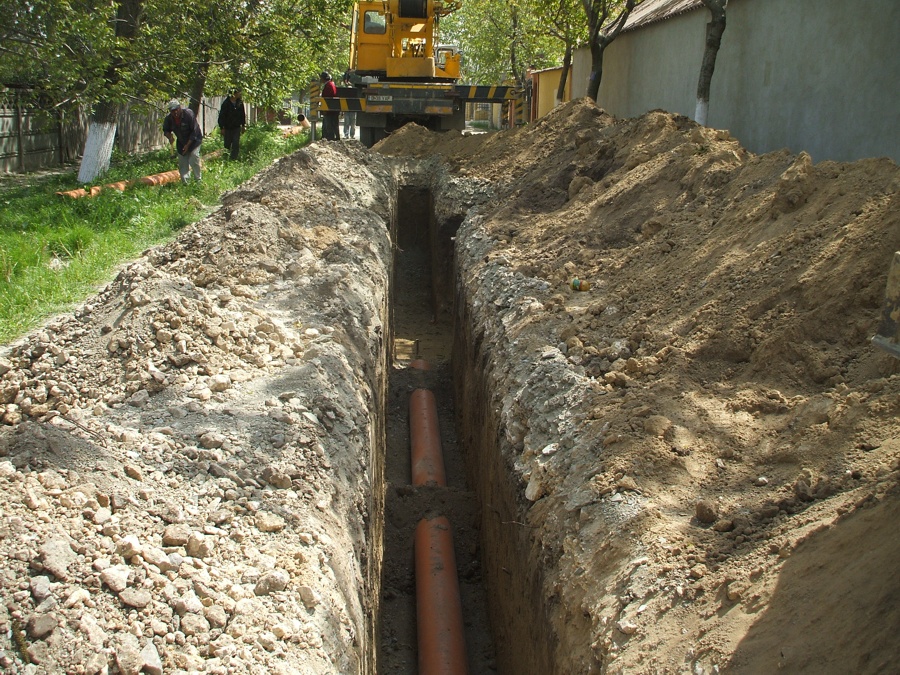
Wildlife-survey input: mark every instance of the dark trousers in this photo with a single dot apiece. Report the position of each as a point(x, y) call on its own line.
point(331, 126)
point(232, 139)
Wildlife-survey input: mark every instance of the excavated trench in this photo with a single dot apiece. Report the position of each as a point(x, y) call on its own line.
point(423, 333)
point(505, 611)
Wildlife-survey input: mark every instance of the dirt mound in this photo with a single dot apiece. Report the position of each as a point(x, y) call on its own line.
point(702, 449)
point(181, 483)
point(730, 414)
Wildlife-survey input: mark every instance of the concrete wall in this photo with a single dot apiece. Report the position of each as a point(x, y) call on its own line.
point(816, 75)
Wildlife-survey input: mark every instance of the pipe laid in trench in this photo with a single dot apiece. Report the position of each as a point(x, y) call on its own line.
point(439, 622)
point(425, 440)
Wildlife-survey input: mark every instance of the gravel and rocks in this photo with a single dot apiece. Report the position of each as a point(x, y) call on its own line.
point(184, 481)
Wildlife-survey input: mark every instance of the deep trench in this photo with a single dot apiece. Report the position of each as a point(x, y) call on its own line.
point(422, 319)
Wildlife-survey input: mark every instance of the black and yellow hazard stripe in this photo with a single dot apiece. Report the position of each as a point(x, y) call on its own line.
point(520, 111)
point(340, 104)
point(486, 94)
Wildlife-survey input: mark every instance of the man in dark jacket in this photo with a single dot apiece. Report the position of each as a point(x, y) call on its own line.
point(183, 131)
point(232, 121)
point(331, 119)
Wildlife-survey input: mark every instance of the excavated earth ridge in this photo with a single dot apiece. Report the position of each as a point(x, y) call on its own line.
point(691, 467)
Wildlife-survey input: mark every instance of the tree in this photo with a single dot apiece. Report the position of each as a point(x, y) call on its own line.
point(499, 39)
point(602, 31)
point(101, 136)
point(714, 31)
point(104, 54)
point(564, 22)
point(55, 52)
point(265, 48)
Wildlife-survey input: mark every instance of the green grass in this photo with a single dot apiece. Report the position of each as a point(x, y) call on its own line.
point(484, 125)
point(55, 251)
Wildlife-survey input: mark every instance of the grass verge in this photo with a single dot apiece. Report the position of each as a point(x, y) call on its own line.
point(55, 251)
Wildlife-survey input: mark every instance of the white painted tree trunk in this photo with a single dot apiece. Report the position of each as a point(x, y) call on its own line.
point(701, 113)
point(97, 150)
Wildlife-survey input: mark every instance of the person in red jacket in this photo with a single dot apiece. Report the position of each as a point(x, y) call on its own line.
point(330, 119)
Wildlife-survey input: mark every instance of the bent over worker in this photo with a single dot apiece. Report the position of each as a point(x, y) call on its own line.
point(183, 131)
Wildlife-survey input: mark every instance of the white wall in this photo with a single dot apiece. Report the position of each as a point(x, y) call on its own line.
point(816, 75)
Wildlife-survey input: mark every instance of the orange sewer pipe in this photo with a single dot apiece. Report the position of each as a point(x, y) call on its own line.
point(122, 185)
point(154, 179)
point(425, 440)
point(442, 646)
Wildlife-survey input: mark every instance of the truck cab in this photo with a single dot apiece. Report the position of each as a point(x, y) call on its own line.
point(395, 41)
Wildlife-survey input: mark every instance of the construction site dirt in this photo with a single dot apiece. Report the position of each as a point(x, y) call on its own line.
point(690, 467)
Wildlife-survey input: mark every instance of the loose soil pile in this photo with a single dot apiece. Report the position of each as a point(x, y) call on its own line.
point(187, 482)
point(702, 449)
point(704, 446)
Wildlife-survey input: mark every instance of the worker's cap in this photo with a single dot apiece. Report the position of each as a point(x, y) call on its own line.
point(174, 104)
point(325, 76)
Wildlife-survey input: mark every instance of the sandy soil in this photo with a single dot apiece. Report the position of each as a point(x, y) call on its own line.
point(702, 449)
point(706, 443)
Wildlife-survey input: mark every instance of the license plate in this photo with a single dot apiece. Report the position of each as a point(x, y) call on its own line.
point(380, 99)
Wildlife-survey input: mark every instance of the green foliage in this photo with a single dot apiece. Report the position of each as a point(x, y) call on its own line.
point(57, 50)
point(269, 49)
point(499, 39)
point(67, 50)
point(54, 250)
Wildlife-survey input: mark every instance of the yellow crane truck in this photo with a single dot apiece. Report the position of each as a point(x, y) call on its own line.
point(400, 72)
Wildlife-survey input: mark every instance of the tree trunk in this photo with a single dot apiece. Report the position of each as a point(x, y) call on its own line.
point(564, 75)
point(101, 135)
point(602, 35)
point(98, 147)
point(513, 52)
point(198, 86)
point(596, 71)
point(714, 30)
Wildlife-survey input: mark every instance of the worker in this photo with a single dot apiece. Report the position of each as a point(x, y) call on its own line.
point(331, 118)
point(185, 135)
point(232, 122)
point(349, 117)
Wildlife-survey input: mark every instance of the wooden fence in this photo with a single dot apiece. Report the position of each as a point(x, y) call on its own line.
point(31, 139)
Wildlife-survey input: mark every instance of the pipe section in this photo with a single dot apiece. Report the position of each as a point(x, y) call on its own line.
point(439, 622)
point(425, 440)
point(122, 185)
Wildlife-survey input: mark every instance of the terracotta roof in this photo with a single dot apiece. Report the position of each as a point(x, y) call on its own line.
point(651, 11)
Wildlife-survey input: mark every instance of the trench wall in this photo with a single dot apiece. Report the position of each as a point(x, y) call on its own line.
point(516, 396)
point(520, 612)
